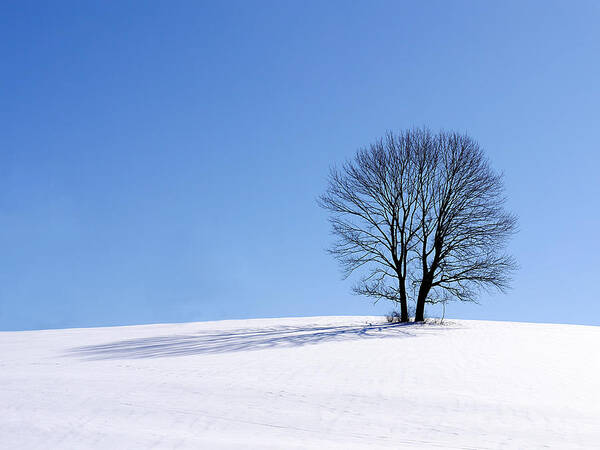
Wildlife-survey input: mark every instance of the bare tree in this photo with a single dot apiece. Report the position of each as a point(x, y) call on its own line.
point(424, 211)
point(463, 226)
point(372, 200)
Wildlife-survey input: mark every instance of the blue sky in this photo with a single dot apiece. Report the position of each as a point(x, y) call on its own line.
point(160, 162)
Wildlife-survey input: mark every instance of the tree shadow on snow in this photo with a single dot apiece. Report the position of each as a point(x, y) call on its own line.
point(239, 340)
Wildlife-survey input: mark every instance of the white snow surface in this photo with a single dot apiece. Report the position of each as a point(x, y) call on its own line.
point(315, 382)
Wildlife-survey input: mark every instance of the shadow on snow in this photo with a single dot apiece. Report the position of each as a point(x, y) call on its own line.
point(239, 340)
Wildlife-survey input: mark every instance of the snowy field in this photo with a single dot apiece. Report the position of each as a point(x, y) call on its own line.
point(317, 382)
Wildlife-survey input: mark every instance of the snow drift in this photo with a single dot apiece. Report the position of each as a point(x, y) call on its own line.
point(318, 382)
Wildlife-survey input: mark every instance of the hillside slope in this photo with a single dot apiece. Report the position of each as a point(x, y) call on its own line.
point(318, 382)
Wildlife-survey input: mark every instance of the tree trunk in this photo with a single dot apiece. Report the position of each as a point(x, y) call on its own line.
point(403, 302)
point(423, 293)
point(403, 311)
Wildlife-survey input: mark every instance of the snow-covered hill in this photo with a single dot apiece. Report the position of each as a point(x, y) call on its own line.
point(318, 382)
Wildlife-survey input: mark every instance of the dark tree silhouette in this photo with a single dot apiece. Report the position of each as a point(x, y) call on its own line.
point(373, 203)
point(424, 216)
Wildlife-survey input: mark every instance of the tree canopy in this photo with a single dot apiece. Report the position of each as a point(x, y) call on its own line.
point(422, 217)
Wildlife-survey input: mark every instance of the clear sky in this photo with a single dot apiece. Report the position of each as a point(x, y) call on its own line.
point(160, 162)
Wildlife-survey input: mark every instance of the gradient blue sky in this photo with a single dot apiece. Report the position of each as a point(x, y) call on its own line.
point(159, 161)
